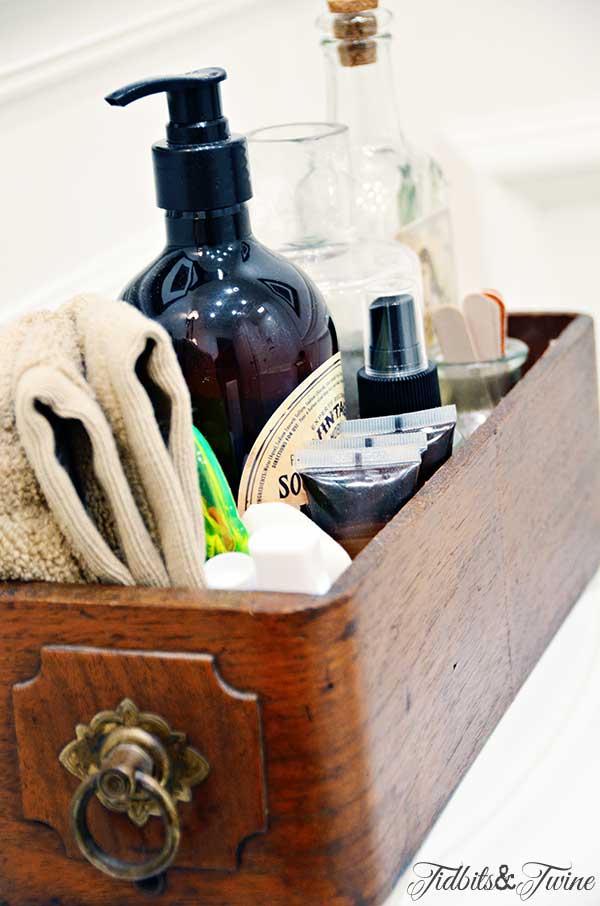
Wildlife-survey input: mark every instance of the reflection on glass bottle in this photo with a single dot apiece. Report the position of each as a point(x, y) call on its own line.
point(247, 327)
point(401, 191)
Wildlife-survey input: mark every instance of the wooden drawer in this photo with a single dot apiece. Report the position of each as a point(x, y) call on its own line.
point(335, 728)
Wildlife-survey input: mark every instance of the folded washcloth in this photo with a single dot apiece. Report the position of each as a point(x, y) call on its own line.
point(96, 451)
point(32, 546)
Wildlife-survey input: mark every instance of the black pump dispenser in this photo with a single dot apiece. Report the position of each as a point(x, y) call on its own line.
point(201, 166)
point(249, 328)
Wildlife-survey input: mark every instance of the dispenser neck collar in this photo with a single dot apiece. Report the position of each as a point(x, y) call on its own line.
point(187, 229)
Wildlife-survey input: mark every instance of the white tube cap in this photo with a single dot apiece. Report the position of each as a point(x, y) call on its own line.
point(270, 515)
point(265, 515)
point(335, 558)
point(289, 560)
point(233, 571)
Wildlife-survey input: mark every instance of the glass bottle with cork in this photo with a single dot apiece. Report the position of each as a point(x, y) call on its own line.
point(401, 192)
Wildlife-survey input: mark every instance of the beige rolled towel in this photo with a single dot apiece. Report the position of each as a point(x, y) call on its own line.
point(89, 491)
point(46, 406)
point(32, 545)
point(132, 368)
point(61, 425)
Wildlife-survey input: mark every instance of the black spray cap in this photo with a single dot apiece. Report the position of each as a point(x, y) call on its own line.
point(397, 377)
point(201, 166)
point(397, 343)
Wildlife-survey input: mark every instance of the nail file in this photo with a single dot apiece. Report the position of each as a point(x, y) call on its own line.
point(453, 334)
point(485, 318)
point(497, 295)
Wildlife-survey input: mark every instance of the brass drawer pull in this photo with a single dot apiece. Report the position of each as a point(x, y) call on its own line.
point(110, 864)
point(134, 763)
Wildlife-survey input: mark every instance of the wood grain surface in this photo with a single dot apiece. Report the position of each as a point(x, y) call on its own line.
point(375, 699)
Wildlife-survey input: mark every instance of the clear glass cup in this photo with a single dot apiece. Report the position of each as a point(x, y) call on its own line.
point(303, 185)
point(476, 388)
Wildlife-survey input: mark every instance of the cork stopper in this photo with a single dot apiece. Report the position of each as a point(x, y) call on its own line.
point(352, 6)
point(358, 53)
point(355, 27)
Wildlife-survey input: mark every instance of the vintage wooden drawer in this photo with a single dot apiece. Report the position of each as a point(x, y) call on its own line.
point(335, 729)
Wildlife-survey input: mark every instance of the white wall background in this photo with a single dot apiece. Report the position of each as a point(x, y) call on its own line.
point(507, 93)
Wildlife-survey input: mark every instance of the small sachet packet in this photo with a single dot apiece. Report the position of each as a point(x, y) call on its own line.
point(439, 425)
point(353, 494)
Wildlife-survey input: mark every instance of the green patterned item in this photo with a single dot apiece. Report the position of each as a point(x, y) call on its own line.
point(224, 529)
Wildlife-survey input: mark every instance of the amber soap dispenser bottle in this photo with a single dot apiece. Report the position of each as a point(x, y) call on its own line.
point(251, 330)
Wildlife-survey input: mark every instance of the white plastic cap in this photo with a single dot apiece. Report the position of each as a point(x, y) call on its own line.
point(289, 560)
point(264, 515)
point(335, 558)
point(281, 515)
point(233, 571)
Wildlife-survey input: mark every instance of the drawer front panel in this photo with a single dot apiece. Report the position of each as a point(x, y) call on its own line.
point(221, 727)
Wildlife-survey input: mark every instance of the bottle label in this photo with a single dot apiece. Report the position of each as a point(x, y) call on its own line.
point(312, 412)
point(431, 239)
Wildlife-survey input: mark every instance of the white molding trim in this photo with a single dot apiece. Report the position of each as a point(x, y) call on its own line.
point(539, 142)
point(167, 20)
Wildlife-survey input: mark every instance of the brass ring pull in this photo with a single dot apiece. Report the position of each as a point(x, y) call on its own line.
point(134, 763)
point(109, 864)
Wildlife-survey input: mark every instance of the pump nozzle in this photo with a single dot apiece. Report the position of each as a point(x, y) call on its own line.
point(194, 100)
point(201, 167)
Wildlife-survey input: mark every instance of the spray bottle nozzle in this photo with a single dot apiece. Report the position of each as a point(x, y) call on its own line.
point(201, 166)
point(397, 377)
point(397, 343)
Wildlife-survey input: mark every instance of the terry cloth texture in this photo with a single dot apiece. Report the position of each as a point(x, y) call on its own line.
point(98, 477)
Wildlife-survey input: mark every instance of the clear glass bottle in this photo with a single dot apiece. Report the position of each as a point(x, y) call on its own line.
point(401, 192)
point(304, 208)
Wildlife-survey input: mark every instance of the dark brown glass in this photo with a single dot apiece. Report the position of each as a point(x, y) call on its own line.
point(247, 325)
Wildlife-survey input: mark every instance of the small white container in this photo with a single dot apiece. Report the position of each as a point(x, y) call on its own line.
point(282, 516)
point(289, 559)
point(233, 572)
point(266, 515)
